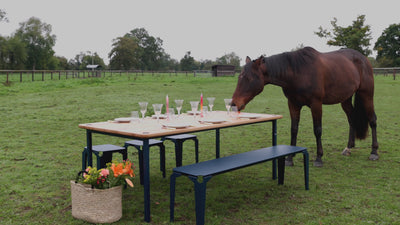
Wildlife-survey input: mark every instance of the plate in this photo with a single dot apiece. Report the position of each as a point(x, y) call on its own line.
point(124, 119)
point(191, 112)
point(215, 121)
point(177, 125)
point(162, 116)
point(249, 115)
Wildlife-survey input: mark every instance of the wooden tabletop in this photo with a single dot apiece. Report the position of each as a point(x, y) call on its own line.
point(151, 128)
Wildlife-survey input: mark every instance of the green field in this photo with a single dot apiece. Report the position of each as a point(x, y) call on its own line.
point(41, 145)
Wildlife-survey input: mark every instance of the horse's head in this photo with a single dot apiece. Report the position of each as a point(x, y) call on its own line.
point(250, 83)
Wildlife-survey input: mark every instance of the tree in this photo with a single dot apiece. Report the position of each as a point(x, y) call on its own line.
point(357, 36)
point(39, 42)
point(188, 63)
point(229, 59)
point(83, 59)
point(124, 55)
point(13, 53)
point(3, 16)
point(388, 46)
point(150, 49)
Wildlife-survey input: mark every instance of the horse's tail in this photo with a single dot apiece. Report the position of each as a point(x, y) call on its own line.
point(359, 118)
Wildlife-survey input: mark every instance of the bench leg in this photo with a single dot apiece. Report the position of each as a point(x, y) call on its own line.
point(281, 170)
point(178, 153)
point(200, 198)
point(172, 195)
point(306, 160)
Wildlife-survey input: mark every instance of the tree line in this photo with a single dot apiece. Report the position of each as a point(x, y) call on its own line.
point(31, 47)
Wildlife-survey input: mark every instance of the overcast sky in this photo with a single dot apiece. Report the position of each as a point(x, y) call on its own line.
point(207, 28)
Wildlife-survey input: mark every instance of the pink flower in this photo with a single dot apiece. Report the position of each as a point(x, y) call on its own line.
point(104, 172)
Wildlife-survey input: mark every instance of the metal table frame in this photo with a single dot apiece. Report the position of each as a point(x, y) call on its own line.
point(146, 166)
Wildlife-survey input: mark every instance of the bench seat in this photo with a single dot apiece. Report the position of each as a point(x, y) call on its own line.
point(213, 167)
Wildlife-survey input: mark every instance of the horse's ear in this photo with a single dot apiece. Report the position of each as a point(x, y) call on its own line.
point(248, 59)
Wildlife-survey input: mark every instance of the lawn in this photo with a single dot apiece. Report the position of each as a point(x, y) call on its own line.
point(41, 145)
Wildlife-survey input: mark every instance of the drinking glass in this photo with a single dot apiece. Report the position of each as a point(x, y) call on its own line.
point(171, 114)
point(179, 103)
point(228, 102)
point(157, 110)
point(210, 102)
point(134, 116)
point(194, 105)
point(143, 108)
point(234, 112)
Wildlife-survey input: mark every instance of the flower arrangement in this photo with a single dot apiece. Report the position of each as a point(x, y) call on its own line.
point(115, 174)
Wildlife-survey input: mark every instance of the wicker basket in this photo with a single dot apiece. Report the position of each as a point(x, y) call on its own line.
point(96, 205)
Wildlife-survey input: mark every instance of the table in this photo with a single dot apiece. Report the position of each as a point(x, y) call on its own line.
point(148, 128)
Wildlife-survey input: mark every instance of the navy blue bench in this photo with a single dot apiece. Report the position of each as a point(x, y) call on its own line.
point(207, 169)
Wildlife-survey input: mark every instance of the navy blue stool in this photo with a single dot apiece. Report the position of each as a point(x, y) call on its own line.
point(178, 140)
point(106, 157)
point(138, 144)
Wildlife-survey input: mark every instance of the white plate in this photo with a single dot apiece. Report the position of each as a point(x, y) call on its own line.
point(124, 119)
point(162, 116)
point(213, 121)
point(191, 112)
point(177, 125)
point(249, 115)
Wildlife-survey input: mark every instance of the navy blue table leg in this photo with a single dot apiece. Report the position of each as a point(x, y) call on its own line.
point(306, 177)
point(274, 142)
point(146, 179)
point(217, 143)
point(89, 147)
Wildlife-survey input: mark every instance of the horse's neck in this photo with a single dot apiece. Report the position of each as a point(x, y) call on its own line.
point(281, 80)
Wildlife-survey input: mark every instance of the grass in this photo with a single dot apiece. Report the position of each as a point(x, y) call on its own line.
point(41, 145)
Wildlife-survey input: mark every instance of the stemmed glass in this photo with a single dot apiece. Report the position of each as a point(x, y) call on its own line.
point(157, 110)
point(210, 102)
point(194, 105)
point(179, 103)
point(228, 102)
point(143, 108)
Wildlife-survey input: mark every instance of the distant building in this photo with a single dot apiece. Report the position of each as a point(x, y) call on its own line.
point(223, 70)
point(92, 67)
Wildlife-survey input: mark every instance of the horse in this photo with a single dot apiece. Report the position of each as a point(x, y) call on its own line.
point(311, 78)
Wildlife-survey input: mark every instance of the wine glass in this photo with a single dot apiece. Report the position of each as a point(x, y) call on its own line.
point(228, 102)
point(179, 103)
point(143, 108)
point(210, 102)
point(157, 110)
point(194, 105)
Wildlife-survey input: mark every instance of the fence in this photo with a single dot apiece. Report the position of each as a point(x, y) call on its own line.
point(386, 71)
point(7, 76)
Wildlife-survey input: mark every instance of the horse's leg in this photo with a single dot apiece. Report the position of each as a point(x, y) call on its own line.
point(369, 109)
point(348, 109)
point(316, 111)
point(295, 119)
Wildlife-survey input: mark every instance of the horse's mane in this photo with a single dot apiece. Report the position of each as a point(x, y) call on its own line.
point(278, 65)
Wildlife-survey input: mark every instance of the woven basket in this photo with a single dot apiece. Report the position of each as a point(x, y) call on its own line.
point(96, 205)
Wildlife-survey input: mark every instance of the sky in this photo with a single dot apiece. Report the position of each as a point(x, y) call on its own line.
point(208, 28)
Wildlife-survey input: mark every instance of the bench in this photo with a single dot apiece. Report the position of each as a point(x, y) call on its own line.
point(207, 169)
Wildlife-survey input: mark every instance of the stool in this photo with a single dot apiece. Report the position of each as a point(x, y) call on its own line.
point(152, 142)
point(178, 140)
point(106, 157)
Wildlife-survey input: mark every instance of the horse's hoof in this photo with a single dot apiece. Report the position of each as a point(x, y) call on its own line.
point(373, 157)
point(318, 163)
point(289, 163)
point(346, 152)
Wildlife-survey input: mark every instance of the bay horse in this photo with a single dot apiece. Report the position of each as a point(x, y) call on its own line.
point(310, 78)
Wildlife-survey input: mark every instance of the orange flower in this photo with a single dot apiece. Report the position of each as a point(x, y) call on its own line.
point(128, 169)
point(117, 170)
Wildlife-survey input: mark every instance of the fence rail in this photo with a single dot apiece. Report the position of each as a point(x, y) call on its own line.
point(386, 71)
point(7, 76)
